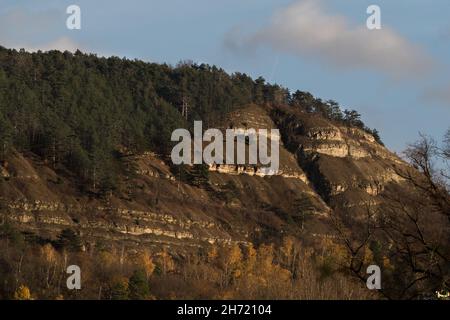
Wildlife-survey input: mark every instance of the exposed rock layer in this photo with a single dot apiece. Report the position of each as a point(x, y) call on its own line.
point(323, 166)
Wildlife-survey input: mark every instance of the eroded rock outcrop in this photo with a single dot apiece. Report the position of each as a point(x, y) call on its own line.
point(338, 160)
point(323, 166)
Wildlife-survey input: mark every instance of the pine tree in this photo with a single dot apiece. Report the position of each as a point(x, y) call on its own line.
point(119, 290)
point(70, 240)
point(138, 286)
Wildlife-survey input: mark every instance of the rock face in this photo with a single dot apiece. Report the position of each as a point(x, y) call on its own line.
point(323, 166)
point(346, 165)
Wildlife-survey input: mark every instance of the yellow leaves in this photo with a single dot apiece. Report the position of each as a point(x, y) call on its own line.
point(289, 253)
point(237, 273)
point(265, 258)
point(22, 293)
point(229, 257)
point(119, 288)
point(231, 261)
point(213, 253)
point(341, 254)
point(107, 258)
point(227, 295)
point(387, 263)
point(333, 251)
point(49, 253)
point(251, 252)
point(234, 255)
point(165, 262)
point(283, 274)
point(250, 258)
point(120, 281)
point(368, 256)
point(145, 262)
point(287, 248)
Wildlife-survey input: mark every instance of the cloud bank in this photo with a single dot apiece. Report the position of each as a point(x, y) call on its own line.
point(439, 95)
point(305, 29)
point(33, 31)
point(61, 44)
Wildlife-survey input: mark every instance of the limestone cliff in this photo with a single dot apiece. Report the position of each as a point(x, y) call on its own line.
point(323, 166)
point(347, 167)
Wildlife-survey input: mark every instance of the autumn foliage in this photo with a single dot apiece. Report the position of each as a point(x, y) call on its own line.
point(221, 271)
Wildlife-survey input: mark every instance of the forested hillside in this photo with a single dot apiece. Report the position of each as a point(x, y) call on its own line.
point(85, 179)
point(78, 111)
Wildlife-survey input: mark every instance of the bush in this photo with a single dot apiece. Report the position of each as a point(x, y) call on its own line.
point(138, 286)
point(69, 240)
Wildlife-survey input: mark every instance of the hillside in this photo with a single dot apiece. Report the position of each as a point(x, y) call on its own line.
point(86, 145)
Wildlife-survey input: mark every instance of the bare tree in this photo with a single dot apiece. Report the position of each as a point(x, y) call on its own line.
point(411, 226)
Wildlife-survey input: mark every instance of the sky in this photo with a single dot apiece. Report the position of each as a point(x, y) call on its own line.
point(397, 77)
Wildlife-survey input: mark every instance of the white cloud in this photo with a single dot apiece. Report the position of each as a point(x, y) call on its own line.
point(61, 44)
point(32, 31)
point(305, 29)
point(439, 95)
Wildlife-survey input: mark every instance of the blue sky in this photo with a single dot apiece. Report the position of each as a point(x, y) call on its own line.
point(398, 77)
